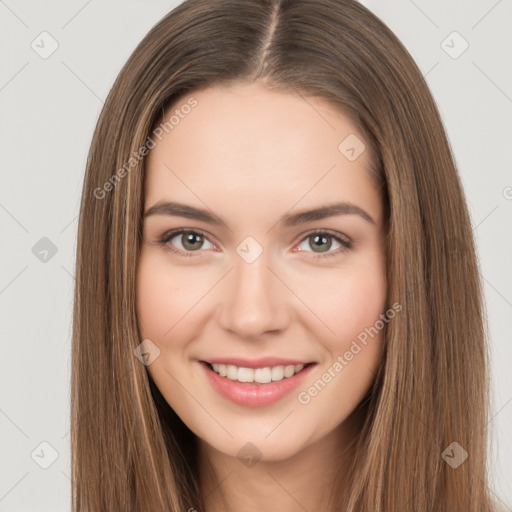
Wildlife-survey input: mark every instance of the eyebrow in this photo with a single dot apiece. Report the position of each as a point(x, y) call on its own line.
point(175, 209)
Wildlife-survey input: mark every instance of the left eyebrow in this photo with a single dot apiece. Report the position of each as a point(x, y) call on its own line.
point(324, 212)
point(175, 209)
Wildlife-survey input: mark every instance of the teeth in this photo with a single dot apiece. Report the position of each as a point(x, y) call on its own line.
point(289, 370)
point(259, 375)
point(262, 375)
point(232, 372)
point(277, 373)
point(245, 375)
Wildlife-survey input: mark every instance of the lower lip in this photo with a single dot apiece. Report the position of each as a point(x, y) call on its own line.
point(255, 395)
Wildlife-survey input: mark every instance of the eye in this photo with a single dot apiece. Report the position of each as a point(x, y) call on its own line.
point(193, 240)
point(190, 240)
point(322, 240)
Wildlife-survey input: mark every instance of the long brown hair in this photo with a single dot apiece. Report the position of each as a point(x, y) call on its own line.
point(129, 450)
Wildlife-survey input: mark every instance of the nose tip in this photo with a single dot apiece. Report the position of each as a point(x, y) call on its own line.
point(255, 302)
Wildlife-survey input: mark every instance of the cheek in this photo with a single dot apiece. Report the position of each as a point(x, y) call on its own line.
point(150, 302)
point(352, 309)
point(346, 302)
point(165, 295)
point(160, 305)
point(360, 301)
point(157, 298)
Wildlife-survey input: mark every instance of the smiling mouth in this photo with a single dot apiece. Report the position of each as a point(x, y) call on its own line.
point(262, 375)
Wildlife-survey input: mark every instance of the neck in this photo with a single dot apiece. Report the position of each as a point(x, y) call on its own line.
point(301, 482)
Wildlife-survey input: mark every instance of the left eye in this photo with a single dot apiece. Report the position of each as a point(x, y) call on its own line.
point(323, 240)
point(193, 240)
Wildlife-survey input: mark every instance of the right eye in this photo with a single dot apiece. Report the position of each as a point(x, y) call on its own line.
point(190, 240)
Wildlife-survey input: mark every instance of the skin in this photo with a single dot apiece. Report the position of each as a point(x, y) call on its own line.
point(251, 155)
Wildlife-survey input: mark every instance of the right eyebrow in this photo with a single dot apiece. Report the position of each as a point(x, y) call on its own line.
point(182, 210)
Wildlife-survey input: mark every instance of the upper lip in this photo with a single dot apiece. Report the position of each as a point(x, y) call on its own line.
point(261, 362)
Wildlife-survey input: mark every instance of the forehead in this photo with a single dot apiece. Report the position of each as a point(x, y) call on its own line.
point(262, 150)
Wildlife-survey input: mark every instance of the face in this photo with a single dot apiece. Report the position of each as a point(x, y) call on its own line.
point(259, 309)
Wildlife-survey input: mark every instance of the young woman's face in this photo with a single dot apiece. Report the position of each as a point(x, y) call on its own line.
point(266, 288)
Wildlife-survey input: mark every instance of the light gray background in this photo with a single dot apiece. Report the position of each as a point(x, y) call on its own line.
point(49, 110)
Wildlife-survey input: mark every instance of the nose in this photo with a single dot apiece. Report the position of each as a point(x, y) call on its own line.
point(256, 300)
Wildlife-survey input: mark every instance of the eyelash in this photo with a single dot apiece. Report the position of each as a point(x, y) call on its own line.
point(346, 244)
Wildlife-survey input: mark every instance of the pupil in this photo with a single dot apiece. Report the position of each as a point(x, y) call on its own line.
point(324, 240)
point(189, 241)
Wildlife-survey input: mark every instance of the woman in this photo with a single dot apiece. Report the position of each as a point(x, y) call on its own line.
point(221, 362)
